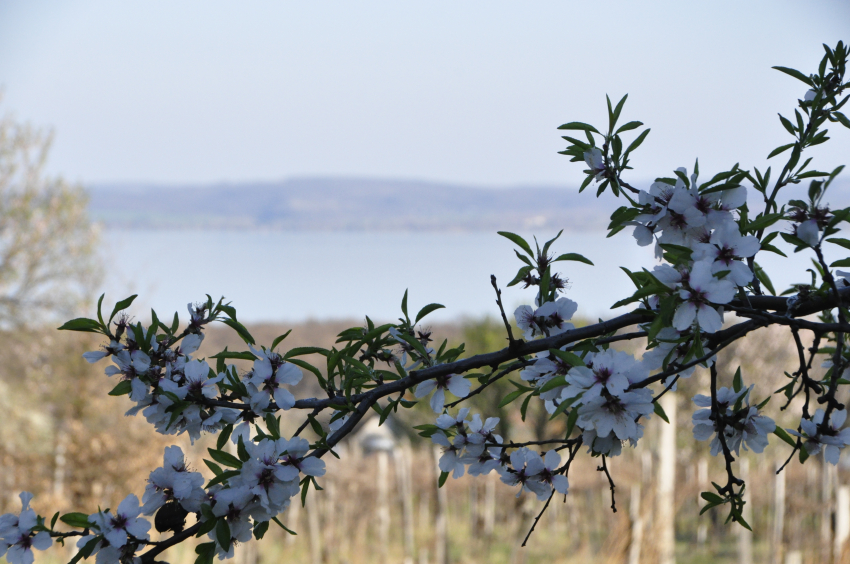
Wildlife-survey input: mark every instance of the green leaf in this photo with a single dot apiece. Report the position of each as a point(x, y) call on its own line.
point(99, 311)
point(524, 408)
point(229, 310)
point(241, 451)
point(568, 357)
point(206, 527)
point(404, 305)
point(80, 520)
point(560, 380)
point(762, 221)
point(544, 284)
point(707, 507)
point(86, 551)
point(659, 411)
point(616, 114)
point(309, 367)
point(629, 126)
point(427, 430)
point(646, 291)
point(316, 426)
point(737, 381)
point(637, 142)
point(443, 477)
point(762, 277)
point(519, 241)
point(841, 263)
point(122, 305)
point(281, 525)
point(771, 249)
point(522, 273)
point(244, 355)
point(216, 469)
point(301, 351)
point(223, 477)
point(711, 497)
point(782, 149)
point(573, 256)
point(124, 387)
point(278, 340)
point(82, 324)
point(426, 310)
point(796, 74)
point(577, 125)
point(223, 436)
point(782, 434)
point(841, 242)
point(225, 458)
point(222, 534)
point(273, 425)
point(260, 529)
point(240, 330)
point(305, 485)
point(511, 397)
point(571, 421)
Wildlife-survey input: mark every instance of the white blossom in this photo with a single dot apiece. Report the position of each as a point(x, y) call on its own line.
point(455, 383)
point(747, 428)
point(173, 481)
point(616, 414)
point(809, 232)
point(832, 440)
point(596, 162)
point(266, 380)
point(450, 461)
point(726, 249)
point(17, 538)
point(703, 290)
point(119, 527)
point(547, 320)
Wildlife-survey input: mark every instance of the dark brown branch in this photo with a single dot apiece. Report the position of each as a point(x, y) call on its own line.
point(159, 548)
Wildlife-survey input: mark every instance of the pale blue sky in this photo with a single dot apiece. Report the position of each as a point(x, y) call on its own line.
point(471, 92)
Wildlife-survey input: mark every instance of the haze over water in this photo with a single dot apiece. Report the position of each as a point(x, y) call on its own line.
point(287, 276)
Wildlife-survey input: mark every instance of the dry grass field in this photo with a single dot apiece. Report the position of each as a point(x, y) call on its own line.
point(64, 439)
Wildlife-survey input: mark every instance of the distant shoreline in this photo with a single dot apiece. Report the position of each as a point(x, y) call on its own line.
point(346, 205)
point(351, 204)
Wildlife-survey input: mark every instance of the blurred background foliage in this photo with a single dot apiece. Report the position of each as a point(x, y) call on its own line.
point(63, 438)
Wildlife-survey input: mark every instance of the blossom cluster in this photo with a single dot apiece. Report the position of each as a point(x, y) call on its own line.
point(174, 391)
point(474, 445)
point(742, 423)
point(117, 536)
point(702, 222)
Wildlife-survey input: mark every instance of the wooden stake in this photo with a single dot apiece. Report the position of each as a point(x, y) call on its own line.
point(666, 502)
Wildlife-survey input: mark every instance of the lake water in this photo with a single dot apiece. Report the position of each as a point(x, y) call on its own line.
point(287, 276)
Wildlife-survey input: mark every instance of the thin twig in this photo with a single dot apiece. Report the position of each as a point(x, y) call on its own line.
point(539, 515)
point(565, 469)
point(604, 468)
point(512, 342)
point(510, 368)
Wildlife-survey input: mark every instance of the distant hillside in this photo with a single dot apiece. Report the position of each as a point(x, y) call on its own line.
point(363, 204)
point(348, 204)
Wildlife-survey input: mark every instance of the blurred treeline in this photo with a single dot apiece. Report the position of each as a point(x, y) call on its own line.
point(68, 442)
